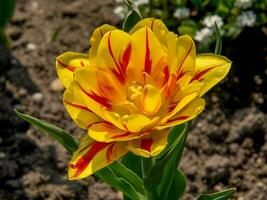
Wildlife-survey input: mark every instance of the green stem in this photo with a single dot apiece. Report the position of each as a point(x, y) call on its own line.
point(151, 192)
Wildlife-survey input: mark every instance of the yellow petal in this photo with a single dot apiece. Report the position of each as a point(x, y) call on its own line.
point(92, 156)
point(147, 52)
point(114, 53)
point(186, 54)
point(189, 112)
point(107, 132)
point(67, 63)
point(96, 38)
point(77, 109)
point(151, 100)
point(137, 122)
point(210, 69)
point(150, 145)
point(97, 102)
point(155, 25)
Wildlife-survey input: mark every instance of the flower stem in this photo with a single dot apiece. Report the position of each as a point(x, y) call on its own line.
point(146, 164)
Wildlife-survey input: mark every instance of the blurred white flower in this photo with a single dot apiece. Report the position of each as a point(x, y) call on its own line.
point(203, 35)
point(118, 1)
point(120, 11)
point(247, 18)
point(209, 21)
point(243, 3)
point(181, 13)
point(141, 2)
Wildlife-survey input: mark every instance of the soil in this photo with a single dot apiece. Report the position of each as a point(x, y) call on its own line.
point(227, 145)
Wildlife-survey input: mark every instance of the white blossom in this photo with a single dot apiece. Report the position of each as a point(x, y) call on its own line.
point(203, 35)
point(181, 13)
point(141, 2)
point(119, 11)
point(243, 3)
point(247, 18)
point(209, 21)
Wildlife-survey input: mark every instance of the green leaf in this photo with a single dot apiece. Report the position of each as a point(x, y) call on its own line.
point(178, 186)
point(132, 17)
point(222, 195)
point(172, 154)
point(121, 171)
point(108, 176)
point(218, 46)
point(64, 138)
point(133, 163)
point(170, 171)
point(6, 11)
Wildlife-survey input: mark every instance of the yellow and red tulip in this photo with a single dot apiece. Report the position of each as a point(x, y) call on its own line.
point(131, 88)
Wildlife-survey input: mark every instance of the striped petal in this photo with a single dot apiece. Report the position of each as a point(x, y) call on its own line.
point(88, 84)
point(138, 122)
point(190, 111)
point(150, 145)
point(147, 52)
point(180, 99)
point(107, 132)
point(92, 156)
point(67, 63)
point(210, 69)
point(83, 116)
point(96, 38)
point(114, 53)
point(186, 54)
point(155, 25)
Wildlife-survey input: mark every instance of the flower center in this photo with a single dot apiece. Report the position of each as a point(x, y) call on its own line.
point(134, 93)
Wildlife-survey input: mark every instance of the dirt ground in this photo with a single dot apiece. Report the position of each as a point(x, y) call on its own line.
point(227, 145)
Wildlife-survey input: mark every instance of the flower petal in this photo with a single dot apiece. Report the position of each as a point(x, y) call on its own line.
point(155, 25)
point(150, 100)
point(93, 98)
point(150, 145)
point(189, 112)
point(96, 38)
point(77, 109)
point(67, 63)
point(107, 132)
point(92, 156)
point(137, 122)
point(147, 52)
point(186, 55)
point(114, 53)
point(210, 69)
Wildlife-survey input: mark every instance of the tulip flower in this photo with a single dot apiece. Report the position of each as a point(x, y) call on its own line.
point(131, 89)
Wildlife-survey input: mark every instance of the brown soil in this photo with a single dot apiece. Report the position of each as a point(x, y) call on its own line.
point(227, 145)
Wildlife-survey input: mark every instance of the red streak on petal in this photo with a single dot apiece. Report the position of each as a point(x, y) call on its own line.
point(99, 99)
point(82, 64)
point(77, 106)
point(152, 24)
point(177, 119)
point(121, 135)
point(71, 68)
point(202, 73)
point(119, 72)
point(101, 33)
point(110, 153)
point(126, 58)
point(166, 75)
point(148, 62)
point(85, 160)
point(146, 144)
point(171, 85)
point(182, 63)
